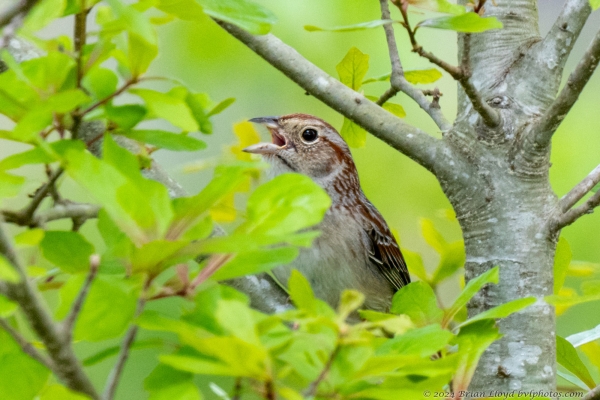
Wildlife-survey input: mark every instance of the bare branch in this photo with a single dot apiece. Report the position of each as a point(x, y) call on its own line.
point(593, 394)
point(559, 42)
point(574, 214)
point(549, 122)
point(69, 322)
point(409, 140)
point(76, 211)
point(115, 374)
point(26, 346)
point(399, 82)
point(311, 391)
point(580, 190)
point(68, 368)
point(461, 74)
point(14, 10)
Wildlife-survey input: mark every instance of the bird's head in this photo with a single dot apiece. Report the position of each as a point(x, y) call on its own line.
point(303, 143)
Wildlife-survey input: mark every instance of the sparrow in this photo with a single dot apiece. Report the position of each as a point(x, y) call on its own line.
point(356, 249)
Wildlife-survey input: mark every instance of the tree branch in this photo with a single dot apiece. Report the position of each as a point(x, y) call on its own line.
point(409, 140)
point(67, 366)
point(580, 190)
point(572, 215)
point(69, 322)
point(311, 391)
point(60, 211)
point(19, 8)
point(115, 374)
point(461, 74)
point(26, 346)
point(549, 122)
point(398, 81)
point(593, 394)
point(561, 38)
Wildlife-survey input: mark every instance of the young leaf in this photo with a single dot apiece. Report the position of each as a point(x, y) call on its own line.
point(348, 28)
point(301, 293)
point(474, 285)
point(422, 76)
point(166, 140)
point(595, 4)
point(562, 259)
point(353, 68)
point(166, 383)
point(168, 107)
point(581, 338)
point(7, 271)
point(219, 108)
point(469, 22)
point(69, 251)
point(501, 311)
point(254, 262)
point(422, 342)
point(567, 356)
point(10, 185)
point(418, 301)
point(243, 13)
point(353, 134)
point(472, 341)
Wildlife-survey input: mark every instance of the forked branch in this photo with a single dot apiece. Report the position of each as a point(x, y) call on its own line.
point(398, 81)
point(462, 73)
point(409, 140)
point(549, 122)
point(566, 203)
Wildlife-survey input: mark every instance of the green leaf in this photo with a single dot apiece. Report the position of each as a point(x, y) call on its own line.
point(10, 185)
point(595, 4)
point(59, 392)
point(562, 259)
point(502, 311)
point(348, 28)
point(48, 73)
point(100, 82)
point(567, 356)
point(247, 15)
point(7, 307)
point(353, 68)
point(21, 377)
point(168, 107)
point(418, 301)
point(42, 14)
point(285, 204)
point(422, 342)
point(350, 301)
point(395, 109)
point(166, 140)
point(255, 262)
point(353, 134)
point(301, 293)
point(472, 341)
point(199, 104)
point(114, 350)
point(108, 309)
point(7, 271)
point(141, 53)
point(126, 116)
point(219, 108)
point(16, 95)
point(572, 379)
point(188, 10)
point(166, 383)
point(581, 338)
point(469, 22)
point(422, 76)
point(452, 255)
point(474, 285)
point(69, 251)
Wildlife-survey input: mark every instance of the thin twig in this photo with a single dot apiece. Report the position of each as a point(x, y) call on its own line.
point(69, 322)
point(60, 211)
point(214, 263)
point(79, 40)
point(237, 389)
point(25, 216)
point(26, 346)
point(549, 122)
point(111, 96)
point(489, 115)
point(67, 367)
point(574, 214)
point(399, 83)
point(115, 374)
point(580, 190)
point(312, 389)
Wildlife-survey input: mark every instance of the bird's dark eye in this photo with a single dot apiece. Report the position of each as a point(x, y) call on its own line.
point(309, 135)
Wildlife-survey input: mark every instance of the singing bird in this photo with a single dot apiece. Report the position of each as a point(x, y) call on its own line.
point(356, 249)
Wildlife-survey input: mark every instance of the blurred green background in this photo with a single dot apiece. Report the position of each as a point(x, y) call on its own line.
point(209, 60)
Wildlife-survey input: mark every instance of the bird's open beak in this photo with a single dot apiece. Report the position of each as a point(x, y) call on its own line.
point(278, 143)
